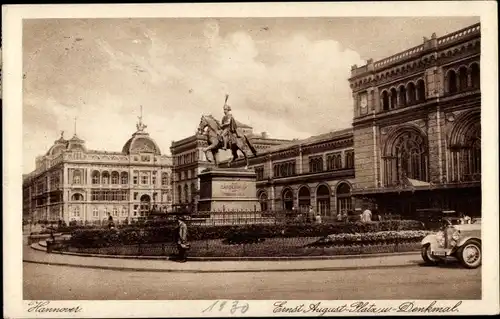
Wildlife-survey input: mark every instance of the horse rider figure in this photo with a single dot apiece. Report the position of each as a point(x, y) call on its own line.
point(228, 125)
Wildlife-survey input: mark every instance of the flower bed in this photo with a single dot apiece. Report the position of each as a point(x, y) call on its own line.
point(376, 238)
point(231, 234)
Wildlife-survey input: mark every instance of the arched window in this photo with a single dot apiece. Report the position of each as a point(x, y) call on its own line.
point(462, 78)
point(77, 197)
point(344, 200)
point(287, 199)
point(402, 96)
point(475, 75)
point(338, 161)
point(105, 178)
point(186, 194)
point(115, 177)
point(451, 81)
point(263, 201)
point(385, 101)
point(77, 177)
point(323, 200)
point(420, 90)
point(465, 149)
point(124, 178)
point(406, 157)
point(412, 93)
point(394, 98)
point(304, 198)
point(193, 192)
point(349, 159)
point(164, 179)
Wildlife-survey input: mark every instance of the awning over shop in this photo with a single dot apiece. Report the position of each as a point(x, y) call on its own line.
point(412, 185)
point(415, 182)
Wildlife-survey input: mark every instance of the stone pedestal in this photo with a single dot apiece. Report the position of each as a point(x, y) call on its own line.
point(228, 189)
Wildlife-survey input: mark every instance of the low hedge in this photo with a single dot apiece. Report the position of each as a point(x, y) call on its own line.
point(232, 234)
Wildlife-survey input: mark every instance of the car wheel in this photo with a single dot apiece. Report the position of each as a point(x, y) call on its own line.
point(427, 257)
point(470, 254)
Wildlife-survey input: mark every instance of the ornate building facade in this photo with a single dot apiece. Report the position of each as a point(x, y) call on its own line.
point(73, 183)
point(417, 126)
point(189, 160)
point(317, 171)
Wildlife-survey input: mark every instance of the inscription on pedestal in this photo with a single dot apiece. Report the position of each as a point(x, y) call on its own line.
point(228, 189)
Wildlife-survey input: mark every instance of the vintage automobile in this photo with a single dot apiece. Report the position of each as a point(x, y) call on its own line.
point(456, 239)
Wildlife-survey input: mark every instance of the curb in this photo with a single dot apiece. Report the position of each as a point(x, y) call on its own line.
point(337, 257)
point(219, 271)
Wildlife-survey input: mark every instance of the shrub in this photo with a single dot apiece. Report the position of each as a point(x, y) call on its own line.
point(232, 234)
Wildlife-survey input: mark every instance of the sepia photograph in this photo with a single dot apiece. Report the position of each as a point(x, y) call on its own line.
point(244, 164)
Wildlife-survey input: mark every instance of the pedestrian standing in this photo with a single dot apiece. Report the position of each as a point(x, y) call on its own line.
point(318, 218)
point(111, 224)
point(182, 243)
point(339, 216)
point(366, 216)
point(311, 214)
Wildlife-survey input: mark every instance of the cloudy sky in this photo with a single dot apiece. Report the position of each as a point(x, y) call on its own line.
point(287, 77)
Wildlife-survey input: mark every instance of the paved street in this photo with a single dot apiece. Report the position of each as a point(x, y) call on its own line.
point(414, 282)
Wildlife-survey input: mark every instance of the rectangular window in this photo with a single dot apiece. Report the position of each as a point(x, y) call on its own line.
point(124, 211)
point(115, 212)
point(259, 171)
point(144, 180)
point(154, 180)
point(95, 212)
point(136, 179)
point(136, 195)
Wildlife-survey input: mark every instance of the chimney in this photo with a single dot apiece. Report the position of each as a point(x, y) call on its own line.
point(264, 135)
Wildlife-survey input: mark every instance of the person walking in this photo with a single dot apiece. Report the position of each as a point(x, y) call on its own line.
point(182, 243)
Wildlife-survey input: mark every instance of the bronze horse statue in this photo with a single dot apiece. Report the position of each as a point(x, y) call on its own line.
point(211, 128)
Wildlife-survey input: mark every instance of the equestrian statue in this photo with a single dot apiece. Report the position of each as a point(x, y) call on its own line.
point(224, 136)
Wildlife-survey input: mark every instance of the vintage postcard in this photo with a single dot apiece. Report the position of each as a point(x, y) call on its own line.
point(250, 159)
